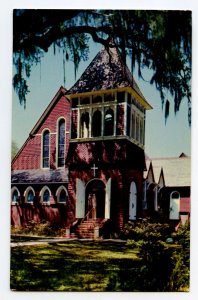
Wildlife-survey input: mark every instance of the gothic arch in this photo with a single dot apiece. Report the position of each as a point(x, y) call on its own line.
point(97, 123)
point(109, 122)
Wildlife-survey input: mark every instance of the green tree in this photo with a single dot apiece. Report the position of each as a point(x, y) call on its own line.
point(157, 40)
point(14, 149)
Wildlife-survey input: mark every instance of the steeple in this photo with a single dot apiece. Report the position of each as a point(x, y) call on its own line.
point(107, 71)
point(107, 102)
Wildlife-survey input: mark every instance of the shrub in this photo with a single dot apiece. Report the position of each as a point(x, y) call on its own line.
point(145, 230)
point(44, 228)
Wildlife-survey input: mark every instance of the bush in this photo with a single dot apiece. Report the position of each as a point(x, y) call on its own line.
point(44, 228)
point(165, 266)
point(145, 230)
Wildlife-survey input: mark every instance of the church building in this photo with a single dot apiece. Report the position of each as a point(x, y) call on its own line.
point(83, 163)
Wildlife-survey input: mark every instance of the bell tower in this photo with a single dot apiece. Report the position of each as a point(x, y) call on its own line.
point(107, 103)
point(107, 139)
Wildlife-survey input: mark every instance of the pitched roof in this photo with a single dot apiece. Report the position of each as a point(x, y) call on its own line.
point(39, 176)
point(177, 170)
point(106, 71)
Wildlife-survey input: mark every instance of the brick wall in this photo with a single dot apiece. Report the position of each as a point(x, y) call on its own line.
point(29, 156)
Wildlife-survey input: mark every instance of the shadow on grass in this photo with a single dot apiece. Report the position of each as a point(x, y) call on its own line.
point(75, 267)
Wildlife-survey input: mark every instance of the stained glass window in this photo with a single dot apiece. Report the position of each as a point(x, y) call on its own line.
point(46, 148)
point(61, 143)
point(46, 196)
point(30, 196)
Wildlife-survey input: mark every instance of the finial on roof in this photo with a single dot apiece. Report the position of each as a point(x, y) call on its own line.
point(183, 155)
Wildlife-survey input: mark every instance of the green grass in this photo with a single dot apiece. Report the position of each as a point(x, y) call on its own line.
point(75, 266)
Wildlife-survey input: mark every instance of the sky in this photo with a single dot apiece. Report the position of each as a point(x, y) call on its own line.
point(161, 140)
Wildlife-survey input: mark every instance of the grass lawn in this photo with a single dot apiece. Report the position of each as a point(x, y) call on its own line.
point(75, 266)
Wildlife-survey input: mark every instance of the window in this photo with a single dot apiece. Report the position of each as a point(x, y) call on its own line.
point(137, 128)
point(109, 122)
point(46, 149)
point(74, 102)
point(142, 131)
point(15, 195)
point(120, 97)
point(174, 208)
point(62, 195)
point(85, 100)
point(61, 143)
point(45, 195)
point(97, 99)
point(85, 125)
point(133, 126)
point(96, 123)
point(128, 120)
point(29, 195)
point(109, 97)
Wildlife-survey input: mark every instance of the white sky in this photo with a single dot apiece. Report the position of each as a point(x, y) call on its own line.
point(158, 137)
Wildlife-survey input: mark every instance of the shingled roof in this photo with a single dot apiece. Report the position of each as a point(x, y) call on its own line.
point(177, 170)
point(106, 71)
point(39, 176)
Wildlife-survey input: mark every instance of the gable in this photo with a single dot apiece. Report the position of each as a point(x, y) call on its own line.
point(29, 156)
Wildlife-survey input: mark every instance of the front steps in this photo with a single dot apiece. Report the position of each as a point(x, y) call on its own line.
point(89, 229)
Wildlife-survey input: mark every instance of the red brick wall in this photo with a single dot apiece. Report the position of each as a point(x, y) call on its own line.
point(30, 155)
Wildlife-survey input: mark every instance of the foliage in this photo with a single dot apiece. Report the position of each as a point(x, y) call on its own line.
point(156, 40)
point(146, 230)
point(165, 267)
point(44, 228)
point(14, 149)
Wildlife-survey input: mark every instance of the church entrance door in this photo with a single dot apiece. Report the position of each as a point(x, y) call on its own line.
point(95, 198)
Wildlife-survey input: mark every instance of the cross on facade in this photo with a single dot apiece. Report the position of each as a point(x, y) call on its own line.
point(94, 168)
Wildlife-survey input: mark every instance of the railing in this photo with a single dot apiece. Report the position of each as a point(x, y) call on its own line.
point(87, 215)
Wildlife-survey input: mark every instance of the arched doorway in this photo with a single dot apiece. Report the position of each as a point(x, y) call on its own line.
point(95, 198)
point(133, 201)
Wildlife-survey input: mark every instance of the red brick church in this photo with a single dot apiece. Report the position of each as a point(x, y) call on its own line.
point(83, 161)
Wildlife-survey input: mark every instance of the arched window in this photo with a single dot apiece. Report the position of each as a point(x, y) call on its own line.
point(15, 195)
point(84, 125)
point(62, 195)
point(137, 128)
point(61, 143)
point(29, 195)
point(45, 194)
point(109, 122)
point(133, 126)
point(46, 149)
point(96, 123)
point(174, 205)
point(141, 131)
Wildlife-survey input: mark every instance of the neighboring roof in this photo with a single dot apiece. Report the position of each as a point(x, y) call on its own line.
point(106, 71)
point(39, 176)
point(177, 171)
